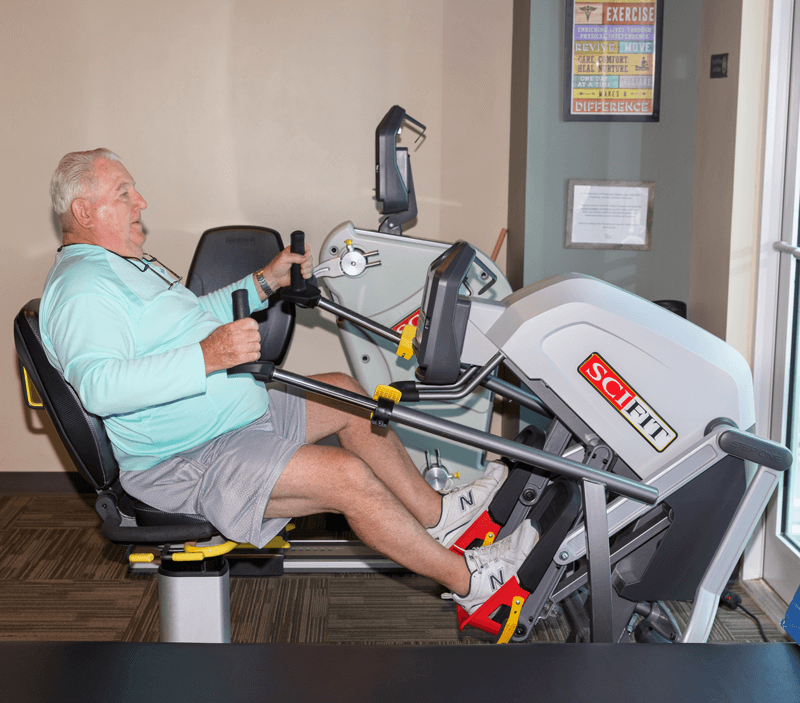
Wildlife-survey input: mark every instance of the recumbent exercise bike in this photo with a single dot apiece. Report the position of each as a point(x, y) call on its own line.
point(639, 488)
point(643, 488)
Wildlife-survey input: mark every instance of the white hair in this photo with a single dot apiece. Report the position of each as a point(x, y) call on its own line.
point(74, 178)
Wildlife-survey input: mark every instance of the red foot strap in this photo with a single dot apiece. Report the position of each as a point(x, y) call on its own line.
point(477, 530)
point(481, 618)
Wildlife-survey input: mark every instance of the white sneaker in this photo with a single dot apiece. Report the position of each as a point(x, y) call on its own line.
point(462, 505)
point(494, 565)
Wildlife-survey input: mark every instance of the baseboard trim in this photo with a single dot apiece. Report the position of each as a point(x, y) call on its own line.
point(766, 599)
point(44, 482)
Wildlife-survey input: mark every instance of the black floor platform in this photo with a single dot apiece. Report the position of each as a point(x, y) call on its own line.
point(103, 672)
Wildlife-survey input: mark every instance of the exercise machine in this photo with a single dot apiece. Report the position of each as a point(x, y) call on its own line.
point(643, 488)
point(380, 275)
point(648, 481)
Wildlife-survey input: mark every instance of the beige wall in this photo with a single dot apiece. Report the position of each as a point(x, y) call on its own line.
point(748, 176)
point(728, 170)
point(248, 113)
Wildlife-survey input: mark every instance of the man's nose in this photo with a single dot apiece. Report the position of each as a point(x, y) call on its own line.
point(141, 203)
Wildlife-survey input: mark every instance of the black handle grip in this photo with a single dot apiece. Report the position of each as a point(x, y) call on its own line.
point(241, 304)
point(756, 449)
point(300, 291)
point(262, 370)
point(298, 246)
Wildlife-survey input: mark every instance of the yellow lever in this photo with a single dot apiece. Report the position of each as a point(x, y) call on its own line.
point(387, 392)
point(213, 551)
point(194, 553)
point(188, 556)
point(30, 391)
point(513, 619)
point(277, 542)
point(405, 349)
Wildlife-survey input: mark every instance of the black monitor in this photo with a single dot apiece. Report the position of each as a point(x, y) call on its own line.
point(394, 184)
point(443, 317)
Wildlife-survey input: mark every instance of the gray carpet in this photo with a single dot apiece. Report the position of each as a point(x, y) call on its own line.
point(61, 581)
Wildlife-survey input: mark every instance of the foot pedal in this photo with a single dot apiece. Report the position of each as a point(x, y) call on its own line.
point(478, 531)
point(507, 595)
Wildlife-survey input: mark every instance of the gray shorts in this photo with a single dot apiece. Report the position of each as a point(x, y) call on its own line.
point(229, 480)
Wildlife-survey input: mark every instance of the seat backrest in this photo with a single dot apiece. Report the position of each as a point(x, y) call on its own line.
point(227, 254)
point(81, 432)
point(223, 255)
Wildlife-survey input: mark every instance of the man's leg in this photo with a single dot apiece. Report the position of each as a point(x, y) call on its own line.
point(380, 449)
point(446, 517)
point(372, 481)
point(369, 480)
point(321, 479)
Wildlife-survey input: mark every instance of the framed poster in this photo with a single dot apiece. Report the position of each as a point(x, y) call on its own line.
point(612, 60)
point(609, 215)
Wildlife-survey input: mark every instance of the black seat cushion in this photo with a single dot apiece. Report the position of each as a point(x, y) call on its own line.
point(148, 516)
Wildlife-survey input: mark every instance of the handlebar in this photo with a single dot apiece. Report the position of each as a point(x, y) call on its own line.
point(241, 305)
point(300, 291)
point(298, 246)
point(262, 370)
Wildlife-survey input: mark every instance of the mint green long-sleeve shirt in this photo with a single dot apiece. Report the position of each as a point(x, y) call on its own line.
point(130, 347)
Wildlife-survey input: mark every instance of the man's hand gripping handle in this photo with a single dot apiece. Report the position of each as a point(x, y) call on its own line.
point(262, 370)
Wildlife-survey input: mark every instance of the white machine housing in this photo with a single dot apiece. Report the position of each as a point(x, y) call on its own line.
point(390, 294)
point(652, 370)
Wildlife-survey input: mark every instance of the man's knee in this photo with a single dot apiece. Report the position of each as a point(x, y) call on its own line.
point(344, 468)
point(352, 476)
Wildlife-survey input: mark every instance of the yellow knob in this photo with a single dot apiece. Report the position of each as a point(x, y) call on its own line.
point(141, 557)
point(387, 392)
point(405, 348)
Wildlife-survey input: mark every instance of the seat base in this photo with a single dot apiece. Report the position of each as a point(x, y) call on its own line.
point(194, 601)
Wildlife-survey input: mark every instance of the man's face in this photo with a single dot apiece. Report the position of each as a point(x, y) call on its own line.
point(116, 208)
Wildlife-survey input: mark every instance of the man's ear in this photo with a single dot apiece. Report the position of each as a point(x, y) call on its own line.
point(82, 212)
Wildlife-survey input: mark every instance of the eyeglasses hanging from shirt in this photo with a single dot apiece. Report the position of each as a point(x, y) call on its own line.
point(143, 265)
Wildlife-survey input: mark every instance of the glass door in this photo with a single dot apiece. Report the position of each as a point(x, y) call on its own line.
point(790, 504)
point(774, 554)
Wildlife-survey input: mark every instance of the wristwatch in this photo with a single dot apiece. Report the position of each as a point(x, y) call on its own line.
point(263, 283)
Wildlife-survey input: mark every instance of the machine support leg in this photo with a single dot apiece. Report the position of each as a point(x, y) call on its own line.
point(594, 498)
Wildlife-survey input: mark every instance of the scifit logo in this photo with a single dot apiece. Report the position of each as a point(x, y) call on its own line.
point(412, 319)
point(627, 402)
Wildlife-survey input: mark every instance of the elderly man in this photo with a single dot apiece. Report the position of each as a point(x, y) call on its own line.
point(149, 357)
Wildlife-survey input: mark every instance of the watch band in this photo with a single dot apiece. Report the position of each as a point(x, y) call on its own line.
point(263, 283)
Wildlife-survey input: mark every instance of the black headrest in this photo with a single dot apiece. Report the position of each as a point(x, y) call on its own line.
point(81, 432)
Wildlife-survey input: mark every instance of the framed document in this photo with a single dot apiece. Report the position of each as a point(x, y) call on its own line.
point(612, 60)
point(609, 215)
